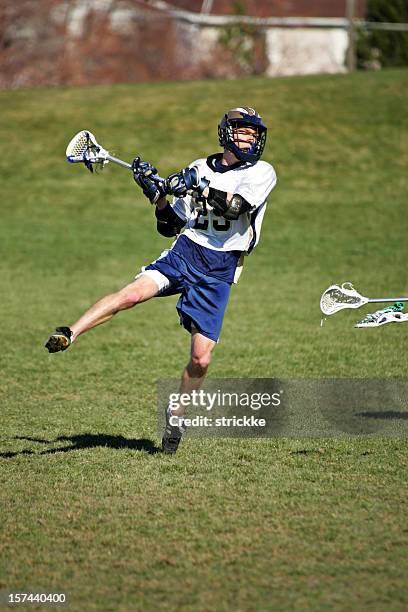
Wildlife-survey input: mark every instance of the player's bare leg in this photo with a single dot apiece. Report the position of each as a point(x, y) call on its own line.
point(136, 292)
point(192, 379)
point(196, 370)
point(140, 290)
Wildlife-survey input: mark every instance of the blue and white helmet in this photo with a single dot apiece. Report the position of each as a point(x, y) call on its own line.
point(243, 116)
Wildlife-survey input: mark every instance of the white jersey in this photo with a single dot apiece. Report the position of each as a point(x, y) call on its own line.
point(252, 182)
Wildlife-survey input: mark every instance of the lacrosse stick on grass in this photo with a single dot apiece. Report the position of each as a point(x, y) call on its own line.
point(83, 148)
point(337, 297)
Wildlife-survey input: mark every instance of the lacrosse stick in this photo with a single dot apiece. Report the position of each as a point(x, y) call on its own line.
point(337, 297)
point(84, 148)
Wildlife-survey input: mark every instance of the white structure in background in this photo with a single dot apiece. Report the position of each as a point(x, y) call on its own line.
point(305, 50)
point(294, 45)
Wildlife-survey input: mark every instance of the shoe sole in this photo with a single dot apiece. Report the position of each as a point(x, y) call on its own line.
point(57, 343)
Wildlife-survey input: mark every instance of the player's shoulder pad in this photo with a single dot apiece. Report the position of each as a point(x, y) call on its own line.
point(262, 172)
point(263, 167)
point(198, 162)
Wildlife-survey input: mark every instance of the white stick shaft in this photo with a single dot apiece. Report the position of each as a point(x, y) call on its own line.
point(394, 299)
point(120, 162)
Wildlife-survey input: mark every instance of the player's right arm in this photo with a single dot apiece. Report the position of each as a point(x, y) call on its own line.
point(155, 188)
point(168, 222)
point(171, 218)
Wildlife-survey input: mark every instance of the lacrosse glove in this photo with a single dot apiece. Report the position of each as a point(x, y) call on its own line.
point(187, 180)
point(154, 186)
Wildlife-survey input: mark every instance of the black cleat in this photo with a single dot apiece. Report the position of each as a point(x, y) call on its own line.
point(60, 340)
point(172, 436)
point(170, 444)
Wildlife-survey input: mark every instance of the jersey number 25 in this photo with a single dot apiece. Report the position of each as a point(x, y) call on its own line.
point(220, 224)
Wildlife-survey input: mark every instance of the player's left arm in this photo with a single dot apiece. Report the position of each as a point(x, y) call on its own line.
point(251, 193)
point(228, 205)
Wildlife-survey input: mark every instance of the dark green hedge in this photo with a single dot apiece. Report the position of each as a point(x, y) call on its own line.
point(378, 48)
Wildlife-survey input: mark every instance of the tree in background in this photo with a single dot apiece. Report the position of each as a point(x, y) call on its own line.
point(244, 43)
point(379, 48)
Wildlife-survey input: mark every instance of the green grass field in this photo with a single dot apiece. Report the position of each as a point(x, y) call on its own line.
point(89, 507)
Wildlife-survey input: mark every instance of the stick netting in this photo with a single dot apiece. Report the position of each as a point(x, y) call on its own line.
point(337, 297)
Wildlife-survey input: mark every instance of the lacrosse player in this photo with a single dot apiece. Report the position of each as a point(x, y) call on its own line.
point(216, 213)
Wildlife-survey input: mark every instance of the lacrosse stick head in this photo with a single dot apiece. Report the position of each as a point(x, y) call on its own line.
point(337, 297)
point(83, 148)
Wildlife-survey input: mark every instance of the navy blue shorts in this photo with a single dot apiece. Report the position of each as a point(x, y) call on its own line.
point(203, 298)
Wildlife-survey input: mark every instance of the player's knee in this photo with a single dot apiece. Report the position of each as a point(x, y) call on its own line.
point(201, 361)
point(128, 297)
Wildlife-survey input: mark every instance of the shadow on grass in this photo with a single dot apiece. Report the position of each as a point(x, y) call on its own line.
point(307, 451)
point(87, 440)
point(386, 414)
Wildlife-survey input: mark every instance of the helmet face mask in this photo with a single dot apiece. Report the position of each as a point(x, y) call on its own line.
point(242, 117)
